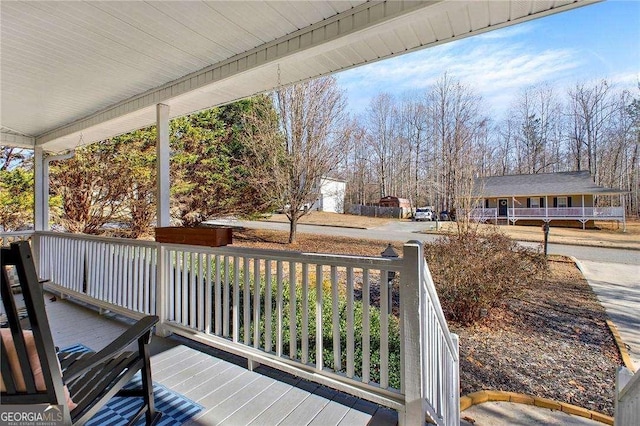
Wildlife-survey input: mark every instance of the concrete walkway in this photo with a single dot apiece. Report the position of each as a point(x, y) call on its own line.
point(618, 289)
point(510, 414)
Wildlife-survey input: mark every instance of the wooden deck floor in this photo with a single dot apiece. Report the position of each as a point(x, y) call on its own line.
point(229, 393)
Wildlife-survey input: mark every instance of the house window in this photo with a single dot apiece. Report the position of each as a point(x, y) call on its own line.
point(562, 202)
point(534, 203)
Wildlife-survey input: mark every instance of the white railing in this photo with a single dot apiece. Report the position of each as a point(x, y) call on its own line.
point(429, 347)
point(7, 238)
point(291, 307)
point(627, 403)
point(307, 314)
point(482, 214)
point(111, 273)
point(596, 213)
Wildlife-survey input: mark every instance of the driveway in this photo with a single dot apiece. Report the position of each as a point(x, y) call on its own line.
point(618, 289)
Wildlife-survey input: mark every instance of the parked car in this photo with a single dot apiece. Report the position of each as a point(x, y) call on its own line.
point(423, 213)
point(448, 214)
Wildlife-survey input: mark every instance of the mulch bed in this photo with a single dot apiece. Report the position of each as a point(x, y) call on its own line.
point(552, 342)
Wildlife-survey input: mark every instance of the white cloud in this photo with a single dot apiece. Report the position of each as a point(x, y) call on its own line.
point(494, 67)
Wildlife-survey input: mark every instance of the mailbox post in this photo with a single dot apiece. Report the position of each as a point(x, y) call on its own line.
point(545, 229)
point(389, 253)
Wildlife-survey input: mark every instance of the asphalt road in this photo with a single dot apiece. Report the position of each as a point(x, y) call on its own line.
point(405, 231)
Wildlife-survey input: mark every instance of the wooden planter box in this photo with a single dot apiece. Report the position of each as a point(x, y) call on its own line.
point(205, 236)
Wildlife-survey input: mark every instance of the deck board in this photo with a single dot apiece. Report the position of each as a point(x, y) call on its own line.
point(258, 405)
point(331, 414)
point(306, 411)
point(281, 407)
point(220, 382)
point(236, 400)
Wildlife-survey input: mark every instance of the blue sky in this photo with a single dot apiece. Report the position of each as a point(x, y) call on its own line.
point(582, 45)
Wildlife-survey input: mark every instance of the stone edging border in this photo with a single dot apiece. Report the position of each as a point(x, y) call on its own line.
point(479, 397)
point(622, 348)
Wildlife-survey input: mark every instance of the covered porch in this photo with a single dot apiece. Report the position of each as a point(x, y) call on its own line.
point(78, 73)
point(546, 197)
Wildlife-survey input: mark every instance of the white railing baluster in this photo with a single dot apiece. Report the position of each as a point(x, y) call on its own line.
point(174, 297)
point(292, 311)
point(225, 301)
point(128, 261)
point(279, 309)
point(246, 300)
point(236, 299)
point(193, 290)
point(140, 282)
point(384, 329)
point(256, 303)
point(218, 296)
point(335, 319)
point(184, 290)
point(350, 327)
point(200, 291)
point(150, 274)
point(366, 327)
point(319, 345)
point(119, 271)
point(208, 302)
point(268, 346)
point(305, 314)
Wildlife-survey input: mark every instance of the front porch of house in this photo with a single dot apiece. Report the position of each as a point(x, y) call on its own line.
point(376, 321)
point(545, 197)
point(545, 209)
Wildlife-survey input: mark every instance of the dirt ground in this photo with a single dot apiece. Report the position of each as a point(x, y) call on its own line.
point(310, 243)
point(609, 235)
point(334, 219)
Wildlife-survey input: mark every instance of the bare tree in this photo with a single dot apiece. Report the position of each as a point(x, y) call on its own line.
point(381, 135)
point(414, 128)
point(358, 172)
point(591, 109)
point(455, 111)
point(315, 134)
point(534, 119)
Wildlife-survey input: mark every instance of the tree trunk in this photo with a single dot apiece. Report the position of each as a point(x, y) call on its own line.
point(293, 228)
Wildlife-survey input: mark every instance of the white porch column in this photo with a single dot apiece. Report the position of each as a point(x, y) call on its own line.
point(40, 203)
point(162, 166)
point(583, 216)
point(41, 199)
point(162, 214)
point(546, 207)
point(410, 335)
point(623, 203)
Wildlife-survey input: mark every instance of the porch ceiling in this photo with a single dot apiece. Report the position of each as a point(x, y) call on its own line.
point(78, 72)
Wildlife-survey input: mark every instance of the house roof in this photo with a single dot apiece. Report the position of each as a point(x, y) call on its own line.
point(73, 73)
point(563, 183)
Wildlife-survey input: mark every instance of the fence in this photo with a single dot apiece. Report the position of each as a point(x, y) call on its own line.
point(377, 211)
point(308, 314)
point(627, 403)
